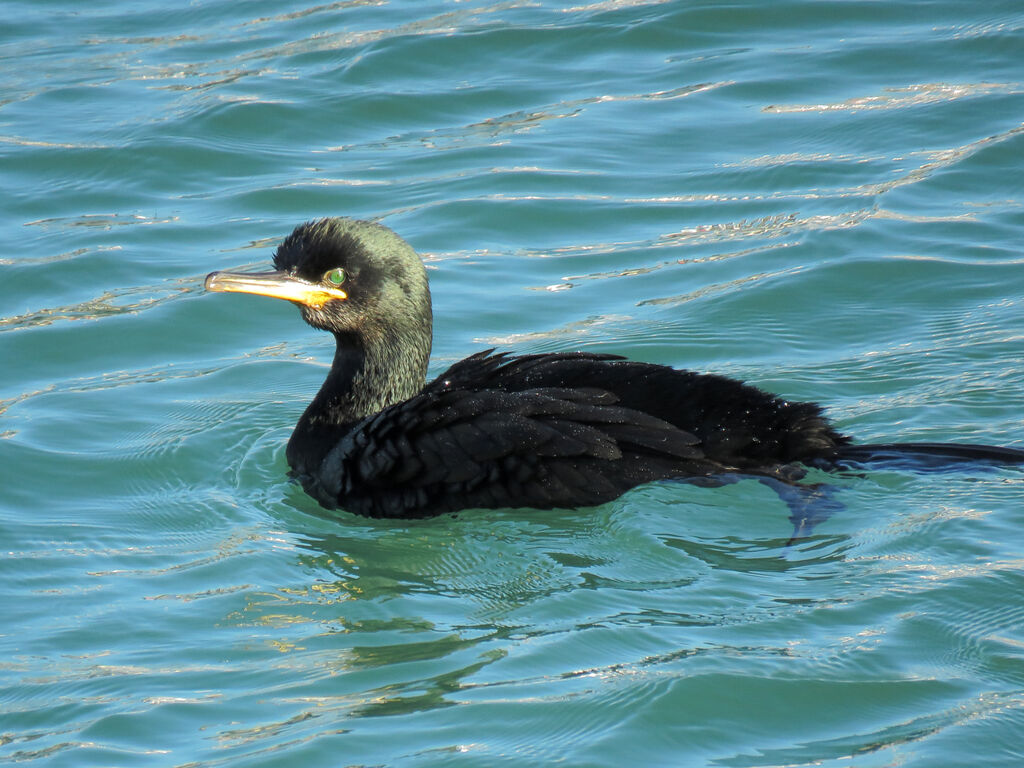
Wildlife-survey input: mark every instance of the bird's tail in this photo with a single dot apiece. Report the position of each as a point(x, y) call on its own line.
point(929, 455)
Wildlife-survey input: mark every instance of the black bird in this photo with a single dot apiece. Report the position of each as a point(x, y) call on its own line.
point(497, 430)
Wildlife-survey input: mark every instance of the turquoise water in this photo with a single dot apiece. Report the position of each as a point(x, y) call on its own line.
point(825, 199)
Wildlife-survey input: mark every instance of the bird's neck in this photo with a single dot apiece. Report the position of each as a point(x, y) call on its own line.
point(366, 377)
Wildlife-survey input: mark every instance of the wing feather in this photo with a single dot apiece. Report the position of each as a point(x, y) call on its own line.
point(447, 449)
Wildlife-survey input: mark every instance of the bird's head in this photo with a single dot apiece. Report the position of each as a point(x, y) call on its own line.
point(347, 276)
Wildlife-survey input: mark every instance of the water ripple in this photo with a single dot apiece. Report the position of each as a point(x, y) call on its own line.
point(820, 199)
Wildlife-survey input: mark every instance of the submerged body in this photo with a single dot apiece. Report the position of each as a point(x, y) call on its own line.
point(495, 430)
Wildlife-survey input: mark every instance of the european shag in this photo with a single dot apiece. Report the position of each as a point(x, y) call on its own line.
point(500, 430)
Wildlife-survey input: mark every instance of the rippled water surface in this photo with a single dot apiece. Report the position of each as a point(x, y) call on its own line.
point(822, 198)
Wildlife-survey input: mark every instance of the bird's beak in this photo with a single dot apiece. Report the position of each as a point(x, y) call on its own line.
point(278, 285)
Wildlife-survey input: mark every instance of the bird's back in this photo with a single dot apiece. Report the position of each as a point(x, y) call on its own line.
point(735, 423)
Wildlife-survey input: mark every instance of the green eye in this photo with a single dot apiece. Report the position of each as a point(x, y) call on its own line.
point(335, 276)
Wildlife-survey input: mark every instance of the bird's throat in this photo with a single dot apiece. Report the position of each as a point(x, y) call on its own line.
point(364, 379)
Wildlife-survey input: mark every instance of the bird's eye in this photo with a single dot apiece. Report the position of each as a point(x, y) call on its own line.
point(335, 276)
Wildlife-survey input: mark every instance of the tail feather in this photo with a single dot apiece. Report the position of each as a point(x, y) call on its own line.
point(930, 454)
